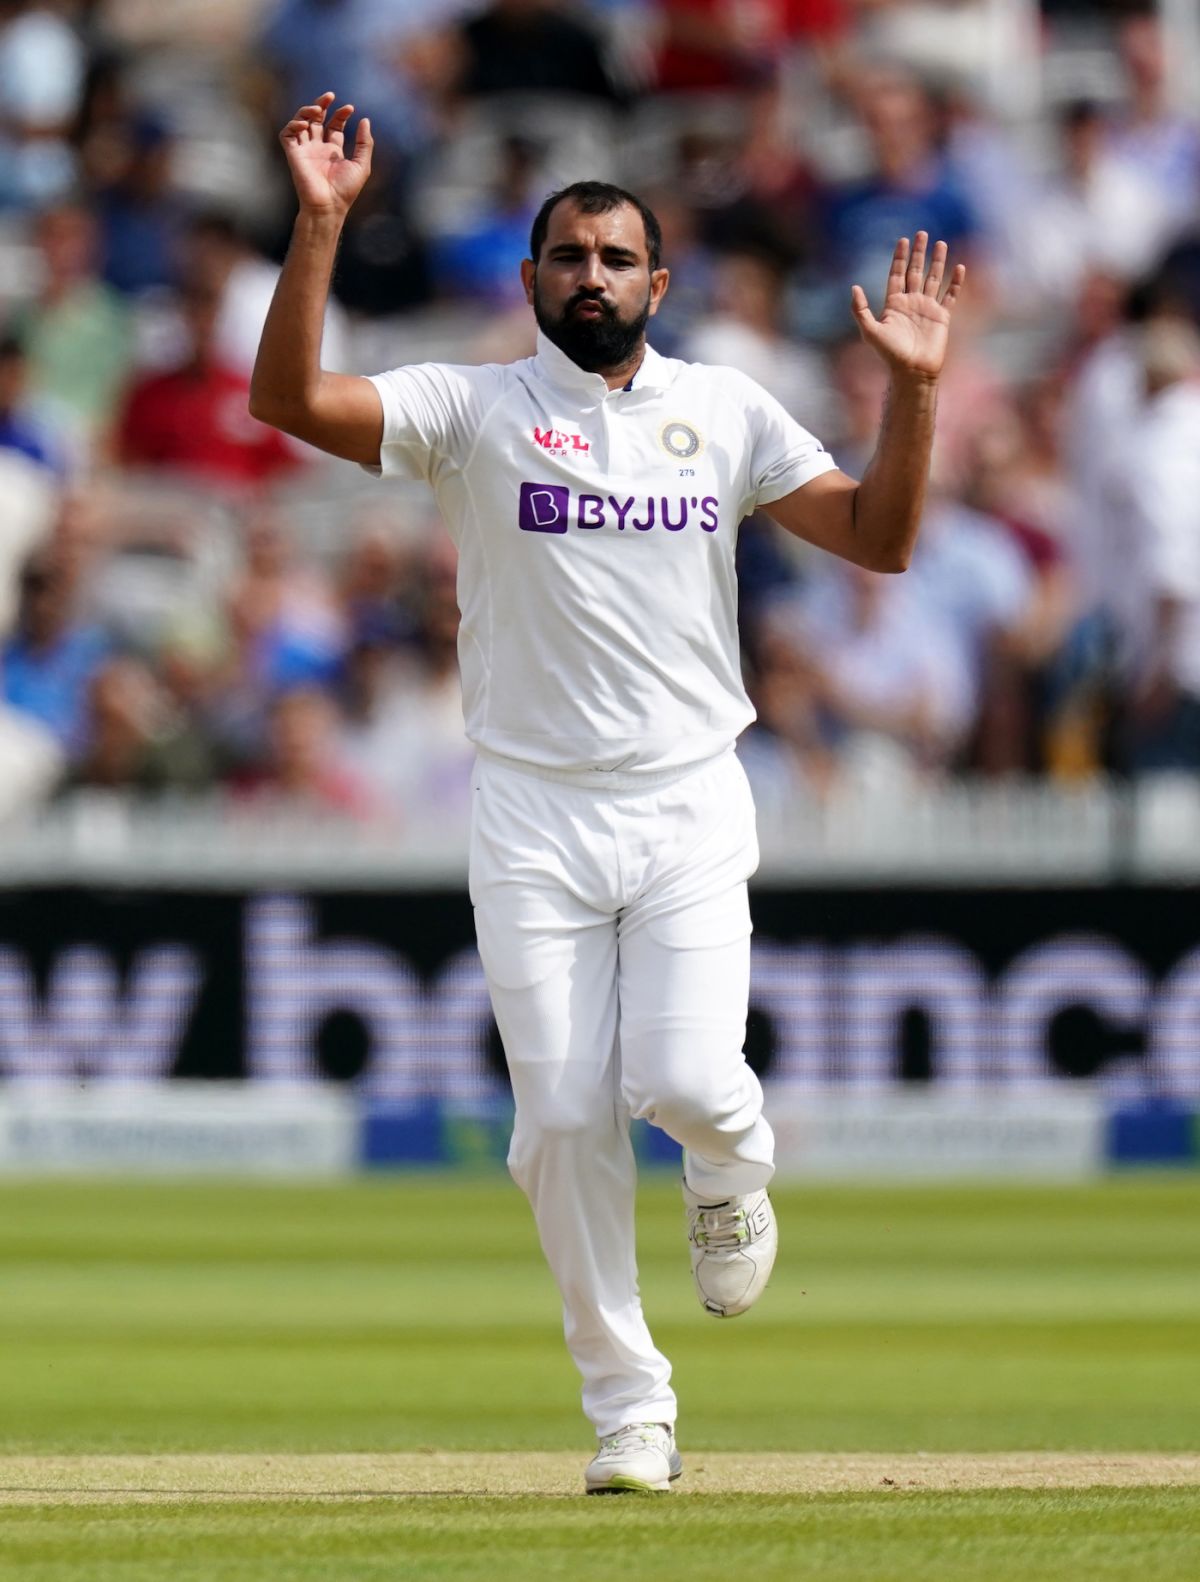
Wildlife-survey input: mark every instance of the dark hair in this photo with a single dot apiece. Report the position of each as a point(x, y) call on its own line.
point(596, 197)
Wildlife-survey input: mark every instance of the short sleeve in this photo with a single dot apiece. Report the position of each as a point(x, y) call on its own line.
point(783, 455)
point(431, 415)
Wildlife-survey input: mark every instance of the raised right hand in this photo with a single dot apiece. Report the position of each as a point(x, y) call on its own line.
point(327, 181)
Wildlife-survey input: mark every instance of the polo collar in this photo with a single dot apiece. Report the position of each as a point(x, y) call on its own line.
point(557, 369)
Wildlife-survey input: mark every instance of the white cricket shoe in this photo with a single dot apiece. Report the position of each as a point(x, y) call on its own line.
point(733, 1247)
point(640, 1458)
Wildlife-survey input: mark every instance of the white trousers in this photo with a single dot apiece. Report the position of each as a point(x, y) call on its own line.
point(614, 930)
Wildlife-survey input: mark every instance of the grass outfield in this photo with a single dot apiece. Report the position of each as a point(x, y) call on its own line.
point(396, 1321)
point(1001, 1536)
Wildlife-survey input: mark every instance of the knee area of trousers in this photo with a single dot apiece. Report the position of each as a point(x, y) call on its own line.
point(551, 1121)
point(551, 1138)
point(678, 1105)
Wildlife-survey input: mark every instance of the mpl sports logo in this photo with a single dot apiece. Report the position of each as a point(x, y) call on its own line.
point(551, 508)
point(557, 440)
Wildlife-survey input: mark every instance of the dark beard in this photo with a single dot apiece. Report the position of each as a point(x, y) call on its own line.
point(597, 345)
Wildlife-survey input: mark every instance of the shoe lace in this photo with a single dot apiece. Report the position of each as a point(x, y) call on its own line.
point(720, 1229)
point(630, 1437)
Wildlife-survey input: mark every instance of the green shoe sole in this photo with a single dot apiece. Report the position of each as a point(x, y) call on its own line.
point(626, 1485)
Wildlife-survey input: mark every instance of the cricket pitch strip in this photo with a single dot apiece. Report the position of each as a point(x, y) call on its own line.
point(209, 1478)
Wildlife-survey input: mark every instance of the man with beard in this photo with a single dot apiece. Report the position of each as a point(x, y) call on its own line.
point(595, 491)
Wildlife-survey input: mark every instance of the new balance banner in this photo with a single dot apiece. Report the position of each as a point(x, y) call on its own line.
point(852, 989)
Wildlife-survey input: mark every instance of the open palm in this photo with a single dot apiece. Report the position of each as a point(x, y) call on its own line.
point(912, 332)
point(326, 178)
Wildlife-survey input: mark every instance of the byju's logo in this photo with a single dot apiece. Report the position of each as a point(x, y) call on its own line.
point(544, 508)
point(550, 508)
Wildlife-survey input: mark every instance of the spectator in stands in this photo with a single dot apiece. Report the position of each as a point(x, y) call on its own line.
point(218, 256)
point(1015, 475)
point(747, 330)
point(785, 752)
point(402, 730)
point(133, 741)
point(365, 46)
point(80, 541)
point(383, 267)
point(970, 577)
point(1018, 468)
point(1158, 143)
point(970, 574)
point(692, 266)
point(738, 52)
point(722, 45)
point(373, 732)
point(476, 262)
point(531, 46)
point(1100, 214)
point(78, 331)
point(286, 606)
point(141, 213)
point(22, 427)
point(908, 187)
point(745, 181)
point(192, 666)
point(302, 765)
point(49, 662)
point(885, 672)
point(42, 63)
point(988, 156)
point(1162, 499)
point(158, 574)
point(1177, 285)
point(1104, 400)
point(193, 420)
point(375, 50)
point(283, 631)
point(102, 130)
point(376, 584)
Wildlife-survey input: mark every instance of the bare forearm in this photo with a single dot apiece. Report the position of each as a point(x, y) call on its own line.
point(874, 523)
point(338, 413)
point(890, 499)
point(287, 371)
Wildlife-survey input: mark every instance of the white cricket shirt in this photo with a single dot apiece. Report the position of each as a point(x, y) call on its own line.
point(596, 532)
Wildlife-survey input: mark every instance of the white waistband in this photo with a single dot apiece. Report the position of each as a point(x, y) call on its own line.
point(602, 779)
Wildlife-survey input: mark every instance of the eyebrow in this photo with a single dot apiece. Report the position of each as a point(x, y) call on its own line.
point(561, 248)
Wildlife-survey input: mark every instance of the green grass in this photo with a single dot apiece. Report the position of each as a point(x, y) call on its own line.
point(399, 1314)
point(996, 1536)
point(387, 1314)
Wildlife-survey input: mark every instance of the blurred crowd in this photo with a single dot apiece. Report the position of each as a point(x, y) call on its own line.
point(190, 602)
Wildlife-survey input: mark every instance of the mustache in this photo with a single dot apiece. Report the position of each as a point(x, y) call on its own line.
point(590, 296)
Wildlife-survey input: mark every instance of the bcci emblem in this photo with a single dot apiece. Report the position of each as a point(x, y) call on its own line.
point(680, 440)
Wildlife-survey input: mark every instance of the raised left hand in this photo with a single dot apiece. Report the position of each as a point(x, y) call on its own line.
point(912, 332)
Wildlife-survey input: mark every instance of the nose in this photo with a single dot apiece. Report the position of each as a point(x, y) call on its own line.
point(591, 273)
